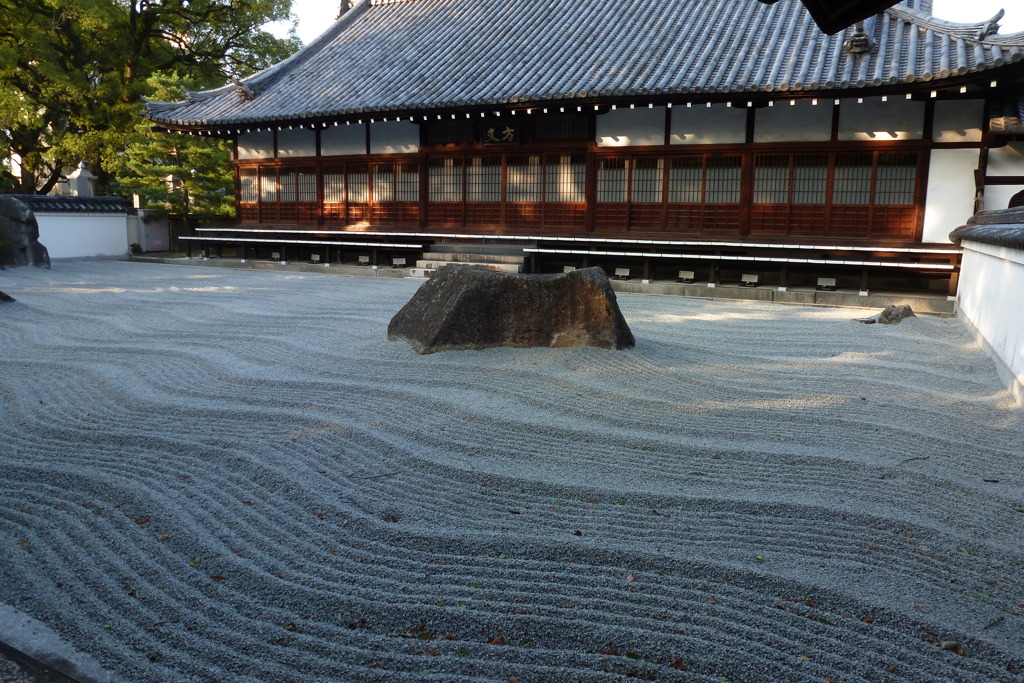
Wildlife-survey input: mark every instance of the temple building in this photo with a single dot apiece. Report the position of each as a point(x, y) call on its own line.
point(709, 138)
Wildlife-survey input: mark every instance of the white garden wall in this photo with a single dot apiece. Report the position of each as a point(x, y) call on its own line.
point(990, 299)
point(83, 234)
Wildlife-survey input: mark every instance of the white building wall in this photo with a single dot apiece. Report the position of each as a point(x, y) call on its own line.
point(1004, 161)
point(950, 194)
point(80, 235)
point(990, 297)
point(257, 145)
point(296, 142)
point(338, 140)
point(875, 119)
point(957, 121)
point(801, 121)
point(631, 127)
point(702, 125)
point(394, 137)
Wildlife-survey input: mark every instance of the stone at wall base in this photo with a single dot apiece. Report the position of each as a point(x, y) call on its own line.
point(891, 315)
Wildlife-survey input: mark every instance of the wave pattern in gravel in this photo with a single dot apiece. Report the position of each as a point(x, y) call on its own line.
point(212, 475)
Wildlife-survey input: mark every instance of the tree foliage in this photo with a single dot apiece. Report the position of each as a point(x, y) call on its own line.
point(73, 72)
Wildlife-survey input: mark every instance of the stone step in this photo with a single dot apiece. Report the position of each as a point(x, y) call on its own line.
point(494, 249)
point(461, 257)
point(426, 264)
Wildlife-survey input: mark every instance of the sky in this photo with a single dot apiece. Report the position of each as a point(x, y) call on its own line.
point(314, 16)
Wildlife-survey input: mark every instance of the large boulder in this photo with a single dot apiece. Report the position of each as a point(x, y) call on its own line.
point(19, 236)
point(462, 307)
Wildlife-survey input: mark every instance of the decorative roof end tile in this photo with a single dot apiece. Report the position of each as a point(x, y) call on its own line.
point(859, 43)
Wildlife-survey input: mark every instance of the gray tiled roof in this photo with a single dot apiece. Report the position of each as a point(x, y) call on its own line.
point(60, 204)
point(407, 56)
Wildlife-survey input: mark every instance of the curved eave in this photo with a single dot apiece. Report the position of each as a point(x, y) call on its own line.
point(952, 55)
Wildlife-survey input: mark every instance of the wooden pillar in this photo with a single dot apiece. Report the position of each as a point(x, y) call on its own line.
point(864, 279)
point(713, 274)
point(647, 269)
point(533, 263)
point(188, 248)
point(784, 276)
point(373, 258)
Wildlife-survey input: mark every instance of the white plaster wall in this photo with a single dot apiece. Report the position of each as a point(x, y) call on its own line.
point(958, 121)
point(894, 119)
point(296, 142)
point(335, 140)
point(801, 121)
point(394, 137)
point(257, 145)
point(950, 195)
point(998, 196)
point(990, 298)
point(631, 127)
point(714, 125)
point(1008, 160)
point(79, 235)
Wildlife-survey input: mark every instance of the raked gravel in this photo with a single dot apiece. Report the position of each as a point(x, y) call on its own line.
point(218, 475)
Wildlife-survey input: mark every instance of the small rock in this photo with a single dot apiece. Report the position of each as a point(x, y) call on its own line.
point(4, 298)
point(891, 315)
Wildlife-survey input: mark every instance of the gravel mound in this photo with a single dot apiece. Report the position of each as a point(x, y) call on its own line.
point(233, 476)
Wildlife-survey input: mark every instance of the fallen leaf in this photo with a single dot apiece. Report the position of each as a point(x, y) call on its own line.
point(712, 601)
point(281, 575)
point(630, 578)
point(868, 620)
point(952, 646)
point(217, 577)
point(497, 640)
point(678, 664)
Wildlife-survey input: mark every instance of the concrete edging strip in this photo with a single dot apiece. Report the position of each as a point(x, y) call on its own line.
point(32, 640)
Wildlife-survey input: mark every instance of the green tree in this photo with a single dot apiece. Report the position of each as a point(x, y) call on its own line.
point(178, 176)
point(73, 72)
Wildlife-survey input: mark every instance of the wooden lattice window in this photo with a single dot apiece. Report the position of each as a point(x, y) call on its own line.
point(852, 184)
point(612, 176)
point(810, 178)
point(248, 181)
point(407, 181)
point(785, 178)
point(334, 185)
point(896, 179)
point(722, 179)
point(287, 185)
point(483, 179)
point(647, 180)
point(268, 184)
point(444, 179)
point(771, 178)
point(686, 180)
point(305, 185)
point(566, 178)
point(383, 182)
point(525, 178)
point(358, 183)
